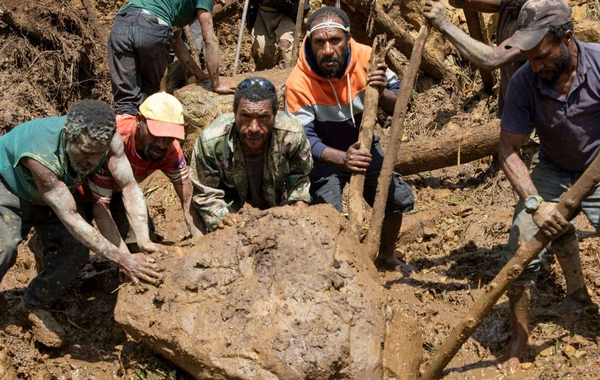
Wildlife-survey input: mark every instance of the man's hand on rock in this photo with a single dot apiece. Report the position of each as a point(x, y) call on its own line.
point(549, 220)
point(357, 160)
point(139, 266)
point(226, 221)
point(435, 11)
point(224, 88)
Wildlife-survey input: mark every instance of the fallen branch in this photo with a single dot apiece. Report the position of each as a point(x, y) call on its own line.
point(383, 183)
point(474, 24)
point(427, 153)
point(568, 205)
point(365, 137)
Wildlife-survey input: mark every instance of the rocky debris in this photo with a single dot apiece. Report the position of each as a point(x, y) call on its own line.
point(285, 295)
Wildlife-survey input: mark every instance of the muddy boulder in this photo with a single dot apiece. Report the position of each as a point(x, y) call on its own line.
point(285, 295)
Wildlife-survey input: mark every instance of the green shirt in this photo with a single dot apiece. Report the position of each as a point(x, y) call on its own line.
point(177, 13)
point(43, 140)
point(218, 169)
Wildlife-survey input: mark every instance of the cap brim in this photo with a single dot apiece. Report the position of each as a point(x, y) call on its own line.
point(525, 40)
point(164, 129)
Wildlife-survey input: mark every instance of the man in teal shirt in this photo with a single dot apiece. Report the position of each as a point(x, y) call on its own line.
point(41, 162)
point(141, 38)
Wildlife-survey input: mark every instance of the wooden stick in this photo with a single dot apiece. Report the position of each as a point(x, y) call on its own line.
point(385, 177)
point(365, 137)
point(298, 32)
point(567, 206)
point(240, 37)
point(474, 24)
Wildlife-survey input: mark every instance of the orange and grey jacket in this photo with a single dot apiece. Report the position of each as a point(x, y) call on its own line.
point(330, 109)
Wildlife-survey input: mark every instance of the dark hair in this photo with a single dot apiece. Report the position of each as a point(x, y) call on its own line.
point(557, 32)
point(255, 89)
point(93, 117)
point(326, 12)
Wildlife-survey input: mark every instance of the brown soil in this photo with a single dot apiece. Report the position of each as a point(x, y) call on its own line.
point(56, 55)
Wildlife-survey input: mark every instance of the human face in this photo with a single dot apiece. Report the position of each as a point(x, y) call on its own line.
point(148, 146)
point(549, 59)
point(255, 121)
point(330, 48)
point(85, 153)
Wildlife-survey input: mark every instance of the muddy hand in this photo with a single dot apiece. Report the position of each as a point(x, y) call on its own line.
point(139, 266)
point(435, 11)
point(224, 87)
point(357, 160)
point(227, 221)
point(377, 78)
point(151, 247)
point(549, 220)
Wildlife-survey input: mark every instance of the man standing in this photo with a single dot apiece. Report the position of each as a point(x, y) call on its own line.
point(557, 92)
point(325, 91)
point(273, 31)
point(41, 162)
point(150, 144)
point(254, 155)
point(141, 38)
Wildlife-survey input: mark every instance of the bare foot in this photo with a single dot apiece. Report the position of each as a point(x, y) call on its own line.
point(509, 362)
point(392, 263)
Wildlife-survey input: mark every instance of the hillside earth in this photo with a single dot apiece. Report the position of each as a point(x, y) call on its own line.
point(53, 53)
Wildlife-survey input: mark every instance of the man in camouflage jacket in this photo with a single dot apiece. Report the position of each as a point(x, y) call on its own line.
point(252, 155)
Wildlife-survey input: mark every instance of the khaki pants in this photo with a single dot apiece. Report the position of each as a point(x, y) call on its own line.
point(270, 28)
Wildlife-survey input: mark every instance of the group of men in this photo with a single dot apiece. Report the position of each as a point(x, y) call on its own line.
point(306, 155)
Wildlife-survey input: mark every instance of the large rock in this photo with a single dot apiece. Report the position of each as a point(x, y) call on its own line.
point(286, 295)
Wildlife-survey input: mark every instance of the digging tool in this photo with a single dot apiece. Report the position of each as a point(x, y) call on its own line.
point(568, 204)
point(365, 137)
point(240, 37)
point(474, 24)
point(383, 183)
point(192, 45)
point(299, 22)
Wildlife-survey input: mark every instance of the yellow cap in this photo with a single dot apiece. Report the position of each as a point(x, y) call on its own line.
point(164, 115)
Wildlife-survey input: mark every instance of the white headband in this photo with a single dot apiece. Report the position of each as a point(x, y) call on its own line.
point(328, 24)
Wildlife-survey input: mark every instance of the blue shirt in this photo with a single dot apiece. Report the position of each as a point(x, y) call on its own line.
point(569, 129)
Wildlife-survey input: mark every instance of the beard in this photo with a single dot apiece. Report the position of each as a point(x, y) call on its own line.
point(341, 63)
point(562, 63)
point(78, 170)
point(148, 157)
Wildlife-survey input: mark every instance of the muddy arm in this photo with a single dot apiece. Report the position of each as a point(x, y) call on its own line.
point(193, 220)
point(211, 52)
point(481, 55)
point(56, 195)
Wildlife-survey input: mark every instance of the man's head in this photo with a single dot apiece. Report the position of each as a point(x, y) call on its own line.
point(89, 128)
point(159, 122)
point(544, 36)
point(255, 108)
point(328, 35)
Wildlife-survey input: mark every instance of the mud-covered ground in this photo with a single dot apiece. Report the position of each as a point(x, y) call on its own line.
point(453, 238)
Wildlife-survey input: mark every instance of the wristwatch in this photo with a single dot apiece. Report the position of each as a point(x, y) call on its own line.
point(532, 203)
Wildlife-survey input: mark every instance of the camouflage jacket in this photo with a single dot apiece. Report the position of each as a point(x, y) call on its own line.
point(218, 169)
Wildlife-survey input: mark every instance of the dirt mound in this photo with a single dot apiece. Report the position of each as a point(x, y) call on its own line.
point(52, 55)
point(286, 295)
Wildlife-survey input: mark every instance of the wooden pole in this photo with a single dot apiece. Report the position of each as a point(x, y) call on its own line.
point(240, 37)
point(383, 183)
point(192, 44)
point(298, 32)
point(365, 137)
point(474, 24)
point(490, 294)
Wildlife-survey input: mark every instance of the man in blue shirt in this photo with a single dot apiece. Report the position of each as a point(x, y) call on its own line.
point(556, 92)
